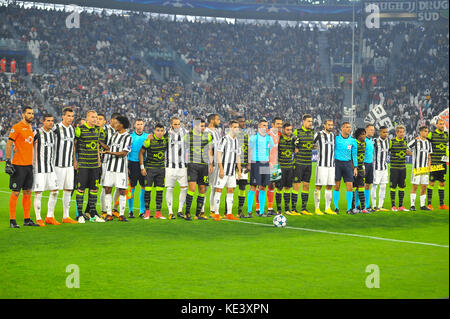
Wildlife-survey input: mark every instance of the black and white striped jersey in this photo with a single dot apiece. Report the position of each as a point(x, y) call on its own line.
point(65, 136)
point(44, 151)
point(325, 150)
point(380, 153)
point(230, 149)
point(176, 149)
point(109, 133)
point(420, 149)
point(118, 143)
point(216, 139)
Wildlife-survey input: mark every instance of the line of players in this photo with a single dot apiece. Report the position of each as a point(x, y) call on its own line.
point(277, 161)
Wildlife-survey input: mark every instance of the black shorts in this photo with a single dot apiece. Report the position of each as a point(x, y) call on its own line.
point(438, 175)
point(302, 173)
point(369, 173)
point(343, 170)
point(198, 173)
point(22, 178)
point(155, 177)
point(134, 172)
point(260, 174)
point(358, 180)
point(287, 177)
point(88, 178)
point(398, 177)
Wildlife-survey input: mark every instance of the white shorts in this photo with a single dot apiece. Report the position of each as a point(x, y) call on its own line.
point(325, 175)
point(174, 175)
point(111, 179)
point(380, 177)
point(65, 177)
point(45, 182)
point(420, 179)
point(226, 181)
point(214, 176)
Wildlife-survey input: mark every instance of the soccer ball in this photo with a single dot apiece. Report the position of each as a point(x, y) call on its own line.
point(279, 221)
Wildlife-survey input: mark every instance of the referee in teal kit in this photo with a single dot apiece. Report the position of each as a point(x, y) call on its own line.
point(346, 164)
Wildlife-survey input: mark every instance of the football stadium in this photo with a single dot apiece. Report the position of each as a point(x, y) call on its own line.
point(224, 149)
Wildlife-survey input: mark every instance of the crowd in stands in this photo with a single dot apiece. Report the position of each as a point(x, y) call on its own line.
point(247, 70)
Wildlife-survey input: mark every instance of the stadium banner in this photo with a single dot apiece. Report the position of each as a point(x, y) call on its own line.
point(418, 10)
point(378, 117)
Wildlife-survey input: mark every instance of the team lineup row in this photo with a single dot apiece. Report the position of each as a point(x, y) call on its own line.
point(275, 162)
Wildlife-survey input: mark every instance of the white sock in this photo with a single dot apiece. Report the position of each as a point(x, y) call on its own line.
point(52, 203)
point(182, 198)
point(381, 194)
point(373, 195)
point(66, 203)
point(37, 205)
point(423, 198)
point(102, 200)
point(204, 201)
point(116, 196)
point(413, 199)
point(108, 204)
point(169, 199)
point(230, 197)
point(122, 204)
point(317, 198)
point(216, 206)
point(328, 198)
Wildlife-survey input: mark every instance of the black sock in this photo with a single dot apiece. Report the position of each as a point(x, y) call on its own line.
point(278, 200)
point(159, 195)
point(304, 200)
point(198, 209)
point(354, 199)
point(92, 202)
point(429, 195)
point(189, 199)
point(294, 201)
point(393, 198)
point(362, 200)
point(79, 200)
point(147, 197)
point(401, 195)
point(287, 200)
point(241, 203)
point(441, 197)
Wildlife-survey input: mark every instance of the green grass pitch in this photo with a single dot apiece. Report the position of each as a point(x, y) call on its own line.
point(228, 259)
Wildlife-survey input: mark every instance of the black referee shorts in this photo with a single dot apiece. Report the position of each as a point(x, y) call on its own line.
point(88, 178)
point(398, 177)
point(343, 169)
point(22, 178)
point(155, 177)
point(369, 173)
point(287, 177)
point(198, 173)
point(260, 174)
point(302, 173)
point(135, 174)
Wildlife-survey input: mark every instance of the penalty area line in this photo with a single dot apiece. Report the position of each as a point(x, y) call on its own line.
point(346, 234)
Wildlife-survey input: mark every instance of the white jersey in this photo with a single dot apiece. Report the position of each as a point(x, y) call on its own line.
point(380, 152)
point(176, 149)
point(118, 143)
point(65, 137)
point(44, 151)
point(325, 151)
point(216, 138)
point(420, 149)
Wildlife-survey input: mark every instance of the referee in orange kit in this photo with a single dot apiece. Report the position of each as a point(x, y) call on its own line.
point(21, 167)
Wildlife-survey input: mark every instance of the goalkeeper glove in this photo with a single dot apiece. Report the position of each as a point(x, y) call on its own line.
point(9, 168)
